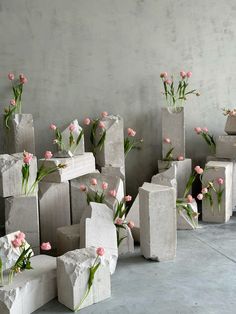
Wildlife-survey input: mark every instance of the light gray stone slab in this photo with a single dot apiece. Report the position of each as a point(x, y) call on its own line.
point(112, 152)
point(79, 198)
point(54, 209)
point(11, 176)
point(20, 137)
point(183, 221)
point(157, 208)
point(173, 127)
point(97, 229)
point(72, 277)
point(30, 289)
point(75, 167)
point(230, 126)
point(226, 146)
point(184, 171)
point(21, 212)
point(67, 239)
point(127, 244)
point(224, 170)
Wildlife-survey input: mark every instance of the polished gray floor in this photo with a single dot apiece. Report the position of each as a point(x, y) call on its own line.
point(202, 278)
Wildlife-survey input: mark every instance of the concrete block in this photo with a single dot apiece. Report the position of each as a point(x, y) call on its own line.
point(20, 137)
point(226, 146)
point(114, 171)
point(127, 244)
point(72, 279)
point(224, 170)
point(112, 152)
point(11, 176)
point(75, 167)
point(184, 170)
point(167, 177)
point(30, 289)
point(21, 213)
point(74, 149)
point(8, 253)
point(173, 127)
point(54, 209)
point(183, 220)
point(67, 239)
point(79, 198)
point(157, 208)
point(230, 126)
point(97, 229)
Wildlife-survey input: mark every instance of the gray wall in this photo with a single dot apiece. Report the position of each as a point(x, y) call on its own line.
point(86, 56)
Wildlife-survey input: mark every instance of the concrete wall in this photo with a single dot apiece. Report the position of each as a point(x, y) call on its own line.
point(85, 56)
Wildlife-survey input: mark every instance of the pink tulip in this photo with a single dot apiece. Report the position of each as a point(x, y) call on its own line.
point(183, 74)
point(232, 113)
point(205, 130)
point(11, 76)
point(130, 224)
point(180, 158)
point(204, 190)
point(200, 196)
point(27, 158)
point(189, 198)
point(87, 121)
point(83, 188)
point(46, 246)
point(16, 242)
point(13, 102)
point(119, 221)
point(128, 198)
point(21, 236)
point(189, 74)
point(94, 181)
point(48, 154)
point(104, 114)
point(23, 79)
point(104, 185)
point(72, 127)
point(131, 132)
point(113, 193)
point(167, 140)
point(198, 130)
point(198, 170)
point(100, 251)
point(53, 127)
point(163, 75)
point(220, 181)
point(168, 82)
point(101, 125)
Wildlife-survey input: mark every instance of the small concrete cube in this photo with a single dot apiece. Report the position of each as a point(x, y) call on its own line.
point(173, 127)
point(226, 146)
point(21, 212)
point(20, 136)
point(67, 239)
point(54, 209)
point(183, 220)
point(72, 279)
point(216, 214)
point(157, 208)
point(75, 167)
point(11, 176)
point(30, 289)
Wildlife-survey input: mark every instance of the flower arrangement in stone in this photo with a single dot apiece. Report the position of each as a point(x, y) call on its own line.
point(92, 271)
point(175, 96)
point(209, 138)
point(210, 187)
point(169, 155)
point(130, 142)
point(15, 102)
point(25, 170)
point(43, 171)
point(98, 196)
point(97, 143)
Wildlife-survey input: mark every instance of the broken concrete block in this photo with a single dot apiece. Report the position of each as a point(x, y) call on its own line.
point(54, 209)
point(230, 126)
point(97, 229)
point(184, 171)
point(184, 222)
point(74, 149)
point(30, 289)
point(167, 178)
point(20, 136)
point(21, 212)
point(157, 209)
point(75, 167)
point(127, 244)
point(67, 239)
point(72, 279)
point(173, 127)
point(226, 146)
point(11, 176)
point(79, 198)
point(222, 213)
point(112, 152)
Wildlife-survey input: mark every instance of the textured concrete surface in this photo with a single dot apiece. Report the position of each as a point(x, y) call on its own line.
point(201, 280)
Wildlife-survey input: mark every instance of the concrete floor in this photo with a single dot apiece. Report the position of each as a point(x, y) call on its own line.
point(202, 279)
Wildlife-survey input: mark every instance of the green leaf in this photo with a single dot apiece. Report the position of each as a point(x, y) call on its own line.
point(79, 137)
point(189, 184)
point(92, 274)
